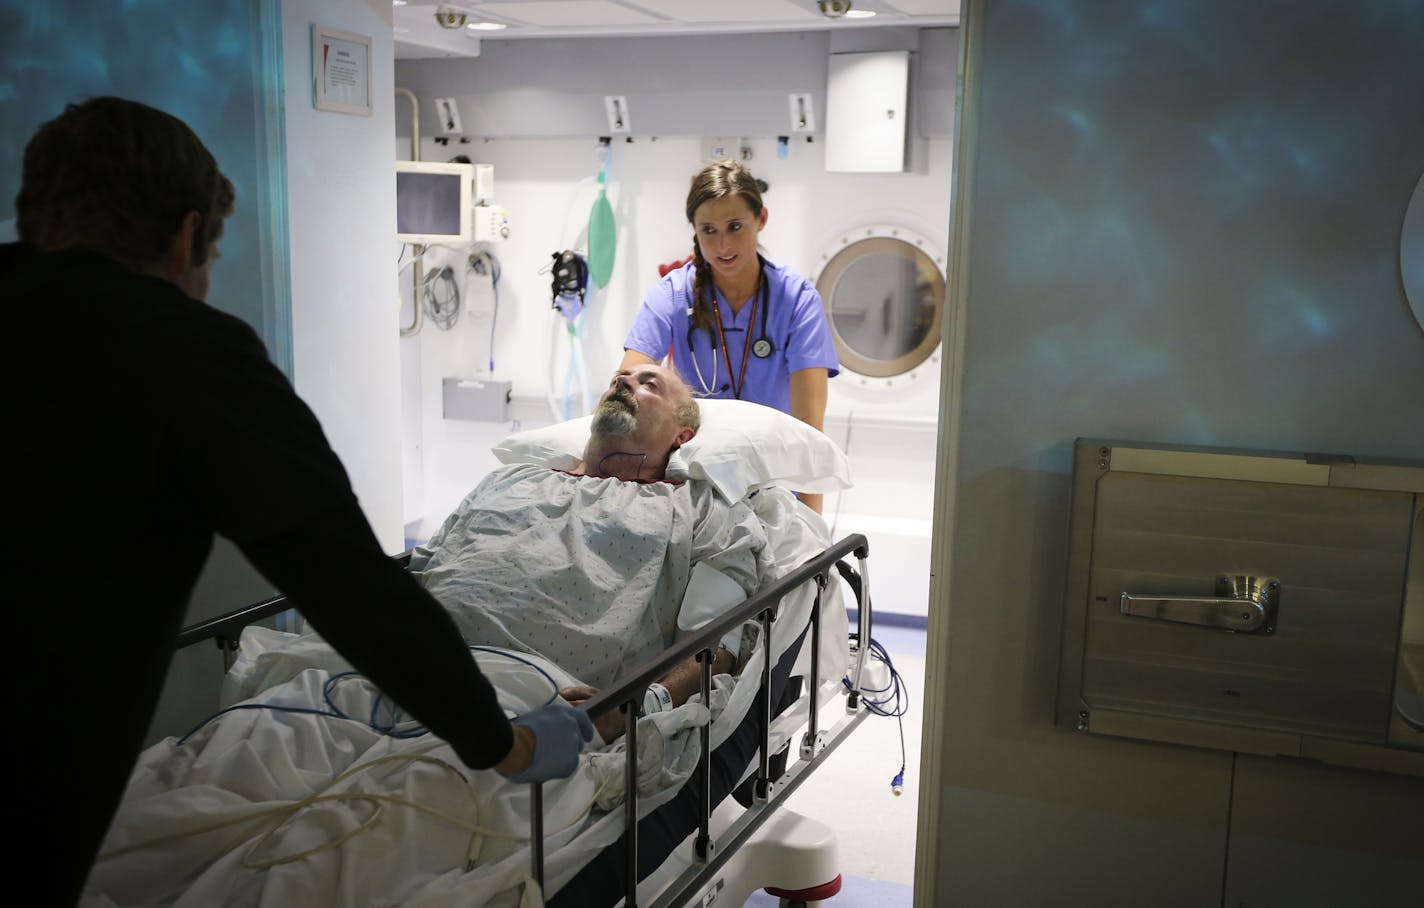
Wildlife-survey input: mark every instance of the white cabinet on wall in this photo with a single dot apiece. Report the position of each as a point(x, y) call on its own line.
point(866, 101)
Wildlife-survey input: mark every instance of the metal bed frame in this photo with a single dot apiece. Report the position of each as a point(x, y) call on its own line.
point(816, 745)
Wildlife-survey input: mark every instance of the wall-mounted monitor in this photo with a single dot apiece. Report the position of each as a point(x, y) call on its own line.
point(433, 203)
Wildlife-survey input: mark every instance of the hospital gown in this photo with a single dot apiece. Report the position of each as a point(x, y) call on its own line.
point(588, 572)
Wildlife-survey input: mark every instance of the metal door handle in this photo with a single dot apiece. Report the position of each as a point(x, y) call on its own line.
point(1243, 603)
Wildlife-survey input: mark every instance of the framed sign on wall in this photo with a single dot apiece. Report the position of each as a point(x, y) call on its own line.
point(341, 71)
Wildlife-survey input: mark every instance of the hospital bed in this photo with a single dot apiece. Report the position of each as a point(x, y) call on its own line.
point(377, 815)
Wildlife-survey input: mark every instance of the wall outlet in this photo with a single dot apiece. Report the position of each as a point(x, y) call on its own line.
point(722, 148)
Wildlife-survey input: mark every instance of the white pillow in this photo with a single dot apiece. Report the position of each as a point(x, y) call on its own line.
point(741, 445)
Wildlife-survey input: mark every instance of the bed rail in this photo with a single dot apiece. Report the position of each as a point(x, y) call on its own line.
point(226, 629)
point(816, 745)
point(627, 695)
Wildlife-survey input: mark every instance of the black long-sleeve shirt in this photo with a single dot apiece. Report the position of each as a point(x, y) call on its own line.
point(141, 422)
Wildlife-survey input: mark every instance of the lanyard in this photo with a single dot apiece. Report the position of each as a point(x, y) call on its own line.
point(740, 380)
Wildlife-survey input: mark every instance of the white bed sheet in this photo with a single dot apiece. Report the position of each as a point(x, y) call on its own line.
point(268, 808)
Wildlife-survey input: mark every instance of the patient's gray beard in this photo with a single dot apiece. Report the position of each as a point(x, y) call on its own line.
point(613, 419)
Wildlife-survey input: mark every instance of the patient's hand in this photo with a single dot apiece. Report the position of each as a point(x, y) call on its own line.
point(609, 725)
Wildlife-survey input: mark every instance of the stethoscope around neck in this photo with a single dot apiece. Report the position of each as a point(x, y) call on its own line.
point(761, 348)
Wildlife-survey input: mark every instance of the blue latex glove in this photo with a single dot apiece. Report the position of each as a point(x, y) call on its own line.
point(559, 733)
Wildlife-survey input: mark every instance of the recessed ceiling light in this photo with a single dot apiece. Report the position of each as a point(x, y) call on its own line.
point(486, 26)
point(859, 13)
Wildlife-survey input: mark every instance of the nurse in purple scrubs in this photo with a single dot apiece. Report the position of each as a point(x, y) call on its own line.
point(736, 324)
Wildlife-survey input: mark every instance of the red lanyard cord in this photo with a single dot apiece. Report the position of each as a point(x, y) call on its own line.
point(746, 345)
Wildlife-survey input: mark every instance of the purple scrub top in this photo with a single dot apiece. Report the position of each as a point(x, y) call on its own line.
point(795, 325)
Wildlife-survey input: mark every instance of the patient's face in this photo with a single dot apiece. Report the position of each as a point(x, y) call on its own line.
point(640, 406)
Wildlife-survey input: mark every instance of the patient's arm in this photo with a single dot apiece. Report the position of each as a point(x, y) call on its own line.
point(681, 683)
point(809, 390)
point(686, 679)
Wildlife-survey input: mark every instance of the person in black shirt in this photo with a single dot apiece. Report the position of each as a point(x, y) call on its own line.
point(141, 424)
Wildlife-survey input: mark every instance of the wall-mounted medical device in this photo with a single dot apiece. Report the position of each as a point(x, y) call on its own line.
point(1251, 601)
point(447, 112)
point(447, 204)
point(483, 192)
point(615, 108)
point(491, 223)
point(475, 399)
point(433, 203)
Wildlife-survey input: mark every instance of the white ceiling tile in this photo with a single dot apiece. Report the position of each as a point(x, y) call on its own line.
point(925, 7)
point(566, 13)
point(731, 12)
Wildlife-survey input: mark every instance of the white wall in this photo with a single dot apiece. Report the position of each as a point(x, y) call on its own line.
point(341, 206)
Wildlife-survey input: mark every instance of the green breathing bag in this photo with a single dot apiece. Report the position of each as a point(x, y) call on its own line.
point(602, 237)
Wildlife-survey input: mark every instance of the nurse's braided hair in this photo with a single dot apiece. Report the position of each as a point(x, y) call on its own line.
point(716, 181)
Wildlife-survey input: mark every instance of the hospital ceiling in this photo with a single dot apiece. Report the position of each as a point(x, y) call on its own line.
point(454, 29)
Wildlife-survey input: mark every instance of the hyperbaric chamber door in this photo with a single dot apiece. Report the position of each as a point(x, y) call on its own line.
point(883, 289)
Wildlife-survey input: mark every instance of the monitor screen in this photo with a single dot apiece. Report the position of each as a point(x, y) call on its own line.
point(433, 202)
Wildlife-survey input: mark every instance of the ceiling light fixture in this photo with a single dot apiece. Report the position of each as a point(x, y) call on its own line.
point(486, 26)
point(859, 13)
point(834, 9)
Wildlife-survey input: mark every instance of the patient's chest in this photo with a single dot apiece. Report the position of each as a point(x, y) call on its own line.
point(587, 572)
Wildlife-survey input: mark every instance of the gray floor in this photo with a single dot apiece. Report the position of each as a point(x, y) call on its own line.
point(851, 793)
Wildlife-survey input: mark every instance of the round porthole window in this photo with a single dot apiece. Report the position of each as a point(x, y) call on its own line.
point(1411, 252)
point(883, 291)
